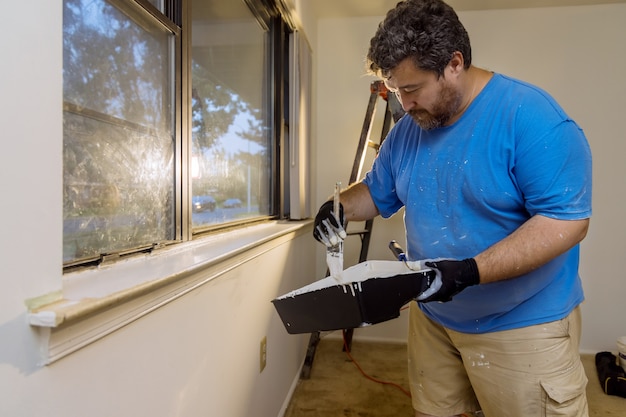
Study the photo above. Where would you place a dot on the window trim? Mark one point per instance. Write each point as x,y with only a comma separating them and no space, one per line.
146,9
100,300
270,14
270,20
96,300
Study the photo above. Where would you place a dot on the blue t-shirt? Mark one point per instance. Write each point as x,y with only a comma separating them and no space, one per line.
514,153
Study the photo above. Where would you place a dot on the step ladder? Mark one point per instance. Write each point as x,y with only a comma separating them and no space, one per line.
393,111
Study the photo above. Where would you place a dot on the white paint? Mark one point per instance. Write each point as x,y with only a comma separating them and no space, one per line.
355,275
44,319
334,260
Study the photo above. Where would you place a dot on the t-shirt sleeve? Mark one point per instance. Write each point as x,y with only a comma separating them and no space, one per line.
553,170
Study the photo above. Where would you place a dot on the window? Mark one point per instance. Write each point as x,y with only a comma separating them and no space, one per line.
119,130
231,114
146,163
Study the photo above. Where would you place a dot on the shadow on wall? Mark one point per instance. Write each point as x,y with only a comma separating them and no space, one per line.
21,352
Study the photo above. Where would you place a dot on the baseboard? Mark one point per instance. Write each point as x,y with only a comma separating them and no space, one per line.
292,389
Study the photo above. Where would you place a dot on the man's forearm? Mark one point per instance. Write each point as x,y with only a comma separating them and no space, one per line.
535,243
357,203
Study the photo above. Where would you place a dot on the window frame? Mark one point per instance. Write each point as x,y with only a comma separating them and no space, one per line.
177,17
94,302
273,20
140,12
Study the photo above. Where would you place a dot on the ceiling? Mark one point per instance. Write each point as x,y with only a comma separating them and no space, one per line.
363,8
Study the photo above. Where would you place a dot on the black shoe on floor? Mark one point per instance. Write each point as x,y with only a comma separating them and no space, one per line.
612,376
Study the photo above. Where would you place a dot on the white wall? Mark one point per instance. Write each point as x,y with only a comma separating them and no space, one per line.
198,355
572,52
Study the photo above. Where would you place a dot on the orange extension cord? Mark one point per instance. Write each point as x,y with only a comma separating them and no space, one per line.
345,347
379,381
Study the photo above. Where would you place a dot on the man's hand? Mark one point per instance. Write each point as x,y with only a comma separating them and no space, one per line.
329,226
452,278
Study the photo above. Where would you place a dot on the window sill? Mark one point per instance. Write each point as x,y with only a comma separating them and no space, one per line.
96,302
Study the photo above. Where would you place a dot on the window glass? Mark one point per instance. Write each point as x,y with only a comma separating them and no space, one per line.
231,152
118,150
123,152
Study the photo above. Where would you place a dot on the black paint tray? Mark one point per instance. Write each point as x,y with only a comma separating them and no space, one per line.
367,293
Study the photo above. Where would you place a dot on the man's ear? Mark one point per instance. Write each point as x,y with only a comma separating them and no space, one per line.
456,64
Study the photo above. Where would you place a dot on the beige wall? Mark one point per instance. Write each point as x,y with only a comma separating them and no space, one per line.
195,352
572,52
196,355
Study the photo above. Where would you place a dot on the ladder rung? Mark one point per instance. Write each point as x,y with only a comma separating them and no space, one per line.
357,232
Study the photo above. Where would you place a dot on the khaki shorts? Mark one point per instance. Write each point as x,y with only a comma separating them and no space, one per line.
533,371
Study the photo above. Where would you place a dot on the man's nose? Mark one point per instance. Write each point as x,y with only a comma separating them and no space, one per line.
405,100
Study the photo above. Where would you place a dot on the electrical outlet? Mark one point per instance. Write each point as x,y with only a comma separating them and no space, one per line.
263,354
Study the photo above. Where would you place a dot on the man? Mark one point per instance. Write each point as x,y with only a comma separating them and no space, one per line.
495,180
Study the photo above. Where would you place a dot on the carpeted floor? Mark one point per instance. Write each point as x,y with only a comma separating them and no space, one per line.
336,388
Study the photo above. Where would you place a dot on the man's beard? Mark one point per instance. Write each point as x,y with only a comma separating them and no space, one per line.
443,110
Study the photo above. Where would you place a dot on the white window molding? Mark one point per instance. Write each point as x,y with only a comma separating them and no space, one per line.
96,302
300,73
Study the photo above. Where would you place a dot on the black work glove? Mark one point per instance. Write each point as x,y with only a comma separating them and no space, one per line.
329,226
453,277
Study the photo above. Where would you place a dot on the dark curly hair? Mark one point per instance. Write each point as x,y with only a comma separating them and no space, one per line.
427,31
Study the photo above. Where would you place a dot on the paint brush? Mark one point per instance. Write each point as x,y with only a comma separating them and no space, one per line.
334,253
